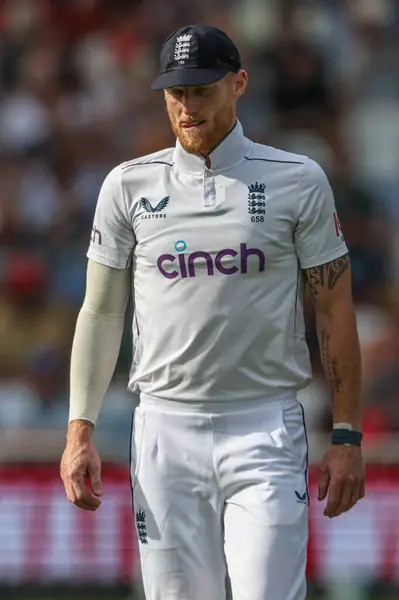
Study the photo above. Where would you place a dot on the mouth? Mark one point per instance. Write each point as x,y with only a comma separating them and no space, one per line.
192,124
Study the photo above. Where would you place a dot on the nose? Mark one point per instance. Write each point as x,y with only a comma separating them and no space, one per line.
189,113
190,104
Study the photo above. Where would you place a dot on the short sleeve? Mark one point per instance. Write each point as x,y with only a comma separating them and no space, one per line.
112,237
318,236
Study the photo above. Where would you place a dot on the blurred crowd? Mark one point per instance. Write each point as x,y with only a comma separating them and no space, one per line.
75,101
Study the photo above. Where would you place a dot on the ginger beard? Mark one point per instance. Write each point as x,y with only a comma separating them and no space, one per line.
203,140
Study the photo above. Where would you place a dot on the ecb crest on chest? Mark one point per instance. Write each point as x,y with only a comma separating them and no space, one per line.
256,198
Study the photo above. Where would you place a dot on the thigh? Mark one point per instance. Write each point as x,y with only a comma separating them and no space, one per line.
265,562
178,509
266,518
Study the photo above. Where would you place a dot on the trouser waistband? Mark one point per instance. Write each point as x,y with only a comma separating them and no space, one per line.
216,407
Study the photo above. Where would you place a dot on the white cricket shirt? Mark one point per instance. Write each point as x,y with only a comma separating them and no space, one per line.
216,256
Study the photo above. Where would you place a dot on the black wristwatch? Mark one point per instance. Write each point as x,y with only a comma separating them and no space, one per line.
346,437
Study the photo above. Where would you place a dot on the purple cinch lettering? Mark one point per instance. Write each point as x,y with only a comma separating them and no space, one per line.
245,252
200,254
218,261
163,258
95,232
183,268
187,266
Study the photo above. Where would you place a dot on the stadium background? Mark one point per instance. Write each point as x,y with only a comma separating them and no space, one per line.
75,101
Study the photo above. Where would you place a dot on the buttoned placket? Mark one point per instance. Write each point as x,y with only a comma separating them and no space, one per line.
209,188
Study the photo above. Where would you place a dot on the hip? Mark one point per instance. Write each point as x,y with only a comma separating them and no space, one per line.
238,446
278,422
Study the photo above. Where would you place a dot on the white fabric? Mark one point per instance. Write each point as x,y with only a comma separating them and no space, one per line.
97,339
222,487
216,256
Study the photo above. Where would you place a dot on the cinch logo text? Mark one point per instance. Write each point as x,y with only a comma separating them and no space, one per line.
186,265
96,235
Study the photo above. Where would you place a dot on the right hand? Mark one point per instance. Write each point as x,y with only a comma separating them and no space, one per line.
79,462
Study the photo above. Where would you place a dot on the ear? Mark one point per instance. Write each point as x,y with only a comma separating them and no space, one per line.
240,83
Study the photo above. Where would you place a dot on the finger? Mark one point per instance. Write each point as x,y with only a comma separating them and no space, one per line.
72,498
70,494
324,482
83,498
83,504
334,498
95,479
80,504
356,494
362,489
346,497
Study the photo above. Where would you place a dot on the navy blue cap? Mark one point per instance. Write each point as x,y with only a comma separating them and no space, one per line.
196,55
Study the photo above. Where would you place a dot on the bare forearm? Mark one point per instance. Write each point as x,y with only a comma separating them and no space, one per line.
330,287
80,429
340,355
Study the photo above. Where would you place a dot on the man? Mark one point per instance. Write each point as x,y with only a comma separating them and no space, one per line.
217,237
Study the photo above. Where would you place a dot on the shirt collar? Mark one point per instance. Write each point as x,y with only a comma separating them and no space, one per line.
231,150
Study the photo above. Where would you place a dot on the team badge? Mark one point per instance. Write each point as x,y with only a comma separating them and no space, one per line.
257,201
141,526
182,48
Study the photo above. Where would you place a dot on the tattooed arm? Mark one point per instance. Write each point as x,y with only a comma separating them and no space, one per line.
341,471
338,339
318,233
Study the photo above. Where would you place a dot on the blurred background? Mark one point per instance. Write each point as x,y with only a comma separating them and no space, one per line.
74,102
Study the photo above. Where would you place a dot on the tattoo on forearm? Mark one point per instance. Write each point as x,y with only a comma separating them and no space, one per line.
335,269
327,274
330,364
336,378
315,277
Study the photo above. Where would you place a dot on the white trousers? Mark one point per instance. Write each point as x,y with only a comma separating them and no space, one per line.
217,490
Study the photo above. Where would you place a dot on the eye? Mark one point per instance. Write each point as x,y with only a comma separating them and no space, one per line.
203,91
176,93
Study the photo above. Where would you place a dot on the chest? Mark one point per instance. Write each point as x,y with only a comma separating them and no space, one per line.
214,217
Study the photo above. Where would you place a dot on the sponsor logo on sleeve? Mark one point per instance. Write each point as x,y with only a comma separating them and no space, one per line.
96,236
338,229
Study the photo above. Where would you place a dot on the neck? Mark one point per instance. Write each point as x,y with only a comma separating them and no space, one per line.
207,160
222,137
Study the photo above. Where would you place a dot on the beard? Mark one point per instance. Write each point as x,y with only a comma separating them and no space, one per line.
203,142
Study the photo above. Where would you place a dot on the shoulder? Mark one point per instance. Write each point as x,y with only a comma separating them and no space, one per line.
269,154
162,158
137,171
308,171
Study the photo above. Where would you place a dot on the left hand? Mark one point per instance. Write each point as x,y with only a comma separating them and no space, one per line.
342,477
